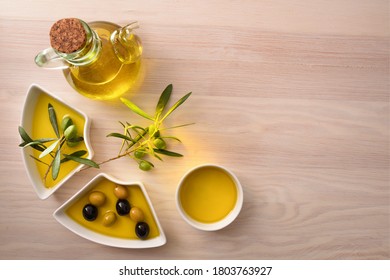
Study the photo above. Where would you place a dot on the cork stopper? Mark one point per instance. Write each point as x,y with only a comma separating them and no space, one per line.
67,35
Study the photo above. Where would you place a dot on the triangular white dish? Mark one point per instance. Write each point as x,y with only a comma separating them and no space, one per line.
35,95
82,228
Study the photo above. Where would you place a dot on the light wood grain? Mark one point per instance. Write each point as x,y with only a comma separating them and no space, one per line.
292,96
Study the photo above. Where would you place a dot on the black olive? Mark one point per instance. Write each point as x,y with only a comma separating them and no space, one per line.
142,230
90,212
123,207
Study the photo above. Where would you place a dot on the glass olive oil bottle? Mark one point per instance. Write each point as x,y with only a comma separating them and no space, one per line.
100,60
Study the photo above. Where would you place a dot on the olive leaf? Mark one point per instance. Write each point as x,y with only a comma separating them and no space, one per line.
53,119
27,139
44,140
177,126
49,149
158,157
171,137
167,153
120,135
82,160
56,165
136,128
75,154
136,109
133,127
37,146
177,104
36,142
162,102
24,135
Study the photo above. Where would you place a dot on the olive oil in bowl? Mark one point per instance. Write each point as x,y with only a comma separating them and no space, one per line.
41,128
36,122
123,227
113,213
209,197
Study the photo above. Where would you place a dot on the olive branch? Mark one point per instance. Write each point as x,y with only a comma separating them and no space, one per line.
52,147
138,141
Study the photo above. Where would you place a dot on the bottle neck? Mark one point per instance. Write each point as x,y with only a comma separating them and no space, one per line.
88,53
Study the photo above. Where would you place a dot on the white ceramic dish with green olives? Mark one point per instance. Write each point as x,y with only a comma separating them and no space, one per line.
54,134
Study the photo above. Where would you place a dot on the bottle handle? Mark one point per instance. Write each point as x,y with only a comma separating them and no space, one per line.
127,46
127,30
48,58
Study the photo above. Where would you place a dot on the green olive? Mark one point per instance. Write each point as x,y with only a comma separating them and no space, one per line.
121,192
136,214
159,143
66,122
70,132
97,198
109,218
140,153
72,143
145,165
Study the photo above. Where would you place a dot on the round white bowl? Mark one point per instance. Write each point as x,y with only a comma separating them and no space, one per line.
30,164
228,219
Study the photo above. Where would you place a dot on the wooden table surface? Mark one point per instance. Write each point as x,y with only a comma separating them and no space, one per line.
292,96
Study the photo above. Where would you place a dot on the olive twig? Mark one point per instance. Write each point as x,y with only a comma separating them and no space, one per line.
108,160
66,133
149,141
142,141
48,170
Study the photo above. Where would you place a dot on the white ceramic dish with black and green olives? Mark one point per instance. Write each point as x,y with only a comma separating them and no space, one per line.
36,124
112,212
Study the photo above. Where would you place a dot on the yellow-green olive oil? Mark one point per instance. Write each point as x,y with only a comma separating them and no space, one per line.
42,128
107,77
208,194
124,226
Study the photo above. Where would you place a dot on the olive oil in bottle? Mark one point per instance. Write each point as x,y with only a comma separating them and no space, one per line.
101,60
107,77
